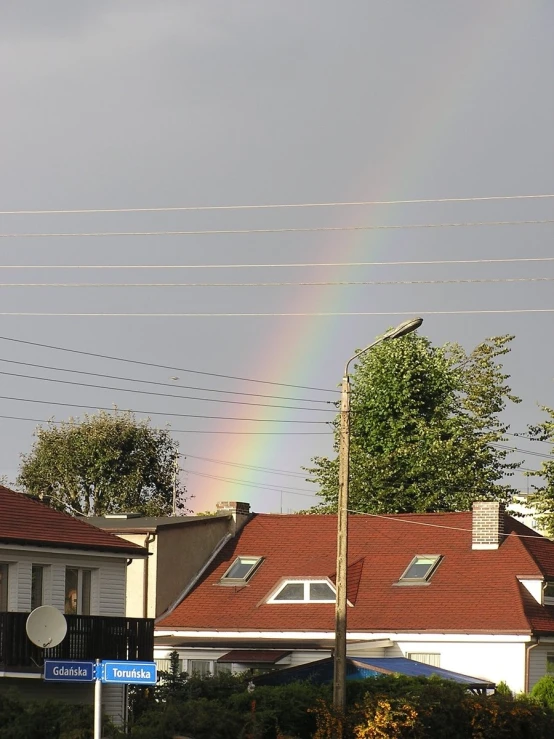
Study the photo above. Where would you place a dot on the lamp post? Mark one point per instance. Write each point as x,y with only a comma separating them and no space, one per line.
339,666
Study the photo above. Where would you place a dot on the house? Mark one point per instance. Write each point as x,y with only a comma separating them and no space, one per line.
51,558
470,592
178,548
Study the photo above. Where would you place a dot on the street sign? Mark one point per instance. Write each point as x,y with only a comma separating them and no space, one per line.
68,672
131,673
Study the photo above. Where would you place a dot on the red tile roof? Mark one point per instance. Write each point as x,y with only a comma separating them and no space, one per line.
24,520
470,591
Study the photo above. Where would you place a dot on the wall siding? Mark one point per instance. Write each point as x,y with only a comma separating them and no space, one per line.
537,662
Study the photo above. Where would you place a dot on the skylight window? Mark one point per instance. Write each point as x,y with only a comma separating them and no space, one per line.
304,591
241,570
420,569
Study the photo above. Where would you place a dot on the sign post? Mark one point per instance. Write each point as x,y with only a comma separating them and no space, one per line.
98,701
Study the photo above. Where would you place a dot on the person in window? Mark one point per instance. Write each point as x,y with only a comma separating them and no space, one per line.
71,601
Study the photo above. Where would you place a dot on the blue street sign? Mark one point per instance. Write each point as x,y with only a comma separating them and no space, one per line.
133,673
70,672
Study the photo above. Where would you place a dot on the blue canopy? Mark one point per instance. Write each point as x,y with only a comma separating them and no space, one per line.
357,668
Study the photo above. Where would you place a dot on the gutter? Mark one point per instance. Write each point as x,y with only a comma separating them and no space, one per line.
147,543
196,578
527,661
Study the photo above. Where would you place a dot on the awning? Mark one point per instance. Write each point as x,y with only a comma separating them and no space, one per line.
254,656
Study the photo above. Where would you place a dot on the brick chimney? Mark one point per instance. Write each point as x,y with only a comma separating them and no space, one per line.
487,525
239,511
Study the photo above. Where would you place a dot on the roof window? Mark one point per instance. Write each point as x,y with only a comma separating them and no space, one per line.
420,569
241,570
304,591
548,593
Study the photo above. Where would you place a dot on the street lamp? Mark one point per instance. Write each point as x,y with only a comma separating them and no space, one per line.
339,667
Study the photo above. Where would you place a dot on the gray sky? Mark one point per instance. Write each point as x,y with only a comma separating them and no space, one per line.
140,104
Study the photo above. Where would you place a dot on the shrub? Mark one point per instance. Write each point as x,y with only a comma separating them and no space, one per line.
543,691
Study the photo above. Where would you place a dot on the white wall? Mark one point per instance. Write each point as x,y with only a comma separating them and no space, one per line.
108,578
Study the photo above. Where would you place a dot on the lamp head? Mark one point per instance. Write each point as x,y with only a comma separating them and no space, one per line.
407,327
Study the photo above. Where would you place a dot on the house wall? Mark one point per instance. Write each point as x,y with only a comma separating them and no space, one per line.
182,552
537,661
494,661
141,573
108,578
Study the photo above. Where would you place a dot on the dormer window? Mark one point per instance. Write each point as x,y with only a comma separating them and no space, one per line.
241,570
304,591
420,569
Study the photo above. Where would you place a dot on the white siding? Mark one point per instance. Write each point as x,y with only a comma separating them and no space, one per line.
108,580
537,662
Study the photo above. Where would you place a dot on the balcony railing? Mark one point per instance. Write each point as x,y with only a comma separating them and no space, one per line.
87,638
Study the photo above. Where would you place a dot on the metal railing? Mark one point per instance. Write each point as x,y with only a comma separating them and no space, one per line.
87,638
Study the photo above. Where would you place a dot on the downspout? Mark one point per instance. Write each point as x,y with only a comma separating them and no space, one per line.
527,661
147,543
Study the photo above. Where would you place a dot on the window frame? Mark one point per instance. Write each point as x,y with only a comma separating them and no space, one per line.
424,580
548,600
5,587
226,579
35,568
306,582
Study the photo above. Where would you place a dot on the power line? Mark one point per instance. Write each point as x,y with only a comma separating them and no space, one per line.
159,413
290,229
272,470
191,431
529,438
321,283
164,395
162,384
153,364
168,209
271,315
234,481
523,451
287,265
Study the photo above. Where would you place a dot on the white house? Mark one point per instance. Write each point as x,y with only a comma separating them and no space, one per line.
50,558
469,592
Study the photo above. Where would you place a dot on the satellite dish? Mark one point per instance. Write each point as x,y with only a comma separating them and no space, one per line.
46,626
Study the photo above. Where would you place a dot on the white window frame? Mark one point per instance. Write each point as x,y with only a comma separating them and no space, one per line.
548,600
306,582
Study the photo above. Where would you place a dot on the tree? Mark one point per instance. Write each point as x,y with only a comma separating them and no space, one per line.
105,463
542,499
424,424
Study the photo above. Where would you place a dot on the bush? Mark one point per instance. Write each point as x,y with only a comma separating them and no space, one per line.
543,691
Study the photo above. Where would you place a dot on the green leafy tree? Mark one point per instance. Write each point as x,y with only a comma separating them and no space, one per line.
424,424
104,463
542,497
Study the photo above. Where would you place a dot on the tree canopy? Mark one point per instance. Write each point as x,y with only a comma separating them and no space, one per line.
424,423
542,497
104,463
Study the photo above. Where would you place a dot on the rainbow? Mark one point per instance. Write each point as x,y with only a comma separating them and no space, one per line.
484,43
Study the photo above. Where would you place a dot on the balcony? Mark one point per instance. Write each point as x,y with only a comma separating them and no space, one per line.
88,638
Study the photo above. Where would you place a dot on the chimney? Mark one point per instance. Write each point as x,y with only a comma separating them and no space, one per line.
487,525
239,511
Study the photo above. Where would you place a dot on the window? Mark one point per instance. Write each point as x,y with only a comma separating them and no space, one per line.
77,591
37,579
427,658
550,663
420,569
4,569
199,667
304,591
241,570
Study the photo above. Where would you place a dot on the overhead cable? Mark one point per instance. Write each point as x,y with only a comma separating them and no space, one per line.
142,363
271,315
169,209
159,413
320,283
161,384
280,265
290,229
